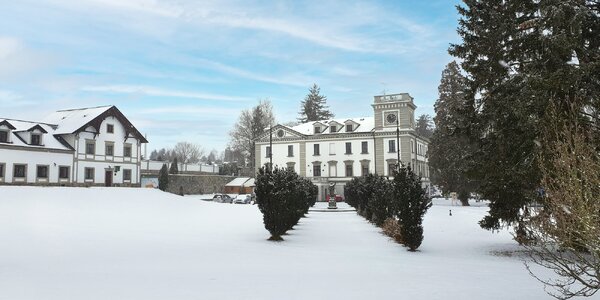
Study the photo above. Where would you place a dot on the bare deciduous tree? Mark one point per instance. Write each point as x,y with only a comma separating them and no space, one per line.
188,153
565,233
250,125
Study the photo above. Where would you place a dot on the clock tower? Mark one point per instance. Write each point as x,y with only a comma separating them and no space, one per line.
392,110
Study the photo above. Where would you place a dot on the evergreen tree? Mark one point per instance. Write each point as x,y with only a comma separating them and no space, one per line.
283,198
163,178
174,167
451,150
424,126
520,56
410,205
313,107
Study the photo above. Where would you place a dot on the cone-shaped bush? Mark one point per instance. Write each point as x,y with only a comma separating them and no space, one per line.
283,198
410,204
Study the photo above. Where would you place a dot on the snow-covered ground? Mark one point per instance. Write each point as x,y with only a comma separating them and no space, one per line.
117,243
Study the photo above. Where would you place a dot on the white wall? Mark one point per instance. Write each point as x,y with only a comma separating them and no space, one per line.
100,161
340,156
32,159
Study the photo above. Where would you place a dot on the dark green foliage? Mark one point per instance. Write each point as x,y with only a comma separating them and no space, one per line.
451,149
411,203
313,107
403,199
424,126
163,178
174,167
520,56
283,197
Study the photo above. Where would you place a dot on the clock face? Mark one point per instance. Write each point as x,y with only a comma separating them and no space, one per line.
391,118
280,133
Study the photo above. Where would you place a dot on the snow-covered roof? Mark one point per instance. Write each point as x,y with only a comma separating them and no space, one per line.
238,181
70,120
365,124
48,141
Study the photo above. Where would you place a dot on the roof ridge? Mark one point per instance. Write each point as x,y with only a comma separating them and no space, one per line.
84,108
33,122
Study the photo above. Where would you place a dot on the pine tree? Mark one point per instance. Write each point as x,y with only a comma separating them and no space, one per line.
451,150
424,126
163,178
174,167
520,56
313,107
410,205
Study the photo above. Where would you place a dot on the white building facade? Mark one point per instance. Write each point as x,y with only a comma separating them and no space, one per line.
81,147
335,151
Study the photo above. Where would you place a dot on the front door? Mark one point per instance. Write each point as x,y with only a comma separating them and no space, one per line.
108,178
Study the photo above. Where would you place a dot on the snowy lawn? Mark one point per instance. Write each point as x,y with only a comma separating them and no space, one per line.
116,243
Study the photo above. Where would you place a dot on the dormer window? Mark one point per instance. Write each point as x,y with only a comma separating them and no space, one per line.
333,129
317,129
36,139
4,136
349,128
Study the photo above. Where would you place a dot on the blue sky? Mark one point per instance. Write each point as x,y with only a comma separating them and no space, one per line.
182,70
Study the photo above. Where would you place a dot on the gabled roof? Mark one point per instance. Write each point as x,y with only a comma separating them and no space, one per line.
77,120
238,181
365,124
20,126
7,124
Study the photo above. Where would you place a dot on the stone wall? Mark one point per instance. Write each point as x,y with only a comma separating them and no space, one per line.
198,184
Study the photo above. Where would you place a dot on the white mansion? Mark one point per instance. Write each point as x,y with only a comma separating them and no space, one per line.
335,151
82,147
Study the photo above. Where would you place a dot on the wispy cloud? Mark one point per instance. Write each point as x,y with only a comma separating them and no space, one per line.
191,110
158,92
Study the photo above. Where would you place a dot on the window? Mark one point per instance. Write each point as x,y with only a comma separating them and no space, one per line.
364,169
291,166
126,174
89,173
317,129
3,136
331,148
268,152
110,128
2,170
349,128
333,129
392,145
316,149
365,147
349,170
36,139
290,151
63,172
316,170
19,171
90,147
412,146
127,150
348,148
42,171
109,149
391,168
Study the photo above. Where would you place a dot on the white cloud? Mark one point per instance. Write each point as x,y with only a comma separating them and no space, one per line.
152,91
17,60
194,110
339,28
12,99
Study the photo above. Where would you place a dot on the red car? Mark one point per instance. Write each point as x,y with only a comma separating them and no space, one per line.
338,198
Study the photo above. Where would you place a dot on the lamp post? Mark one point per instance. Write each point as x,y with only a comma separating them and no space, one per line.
398,140
271,148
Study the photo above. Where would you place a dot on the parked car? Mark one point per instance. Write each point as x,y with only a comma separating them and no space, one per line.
222,198
242,199
338,198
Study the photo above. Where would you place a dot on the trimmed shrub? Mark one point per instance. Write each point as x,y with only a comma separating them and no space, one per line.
283,198
163,178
